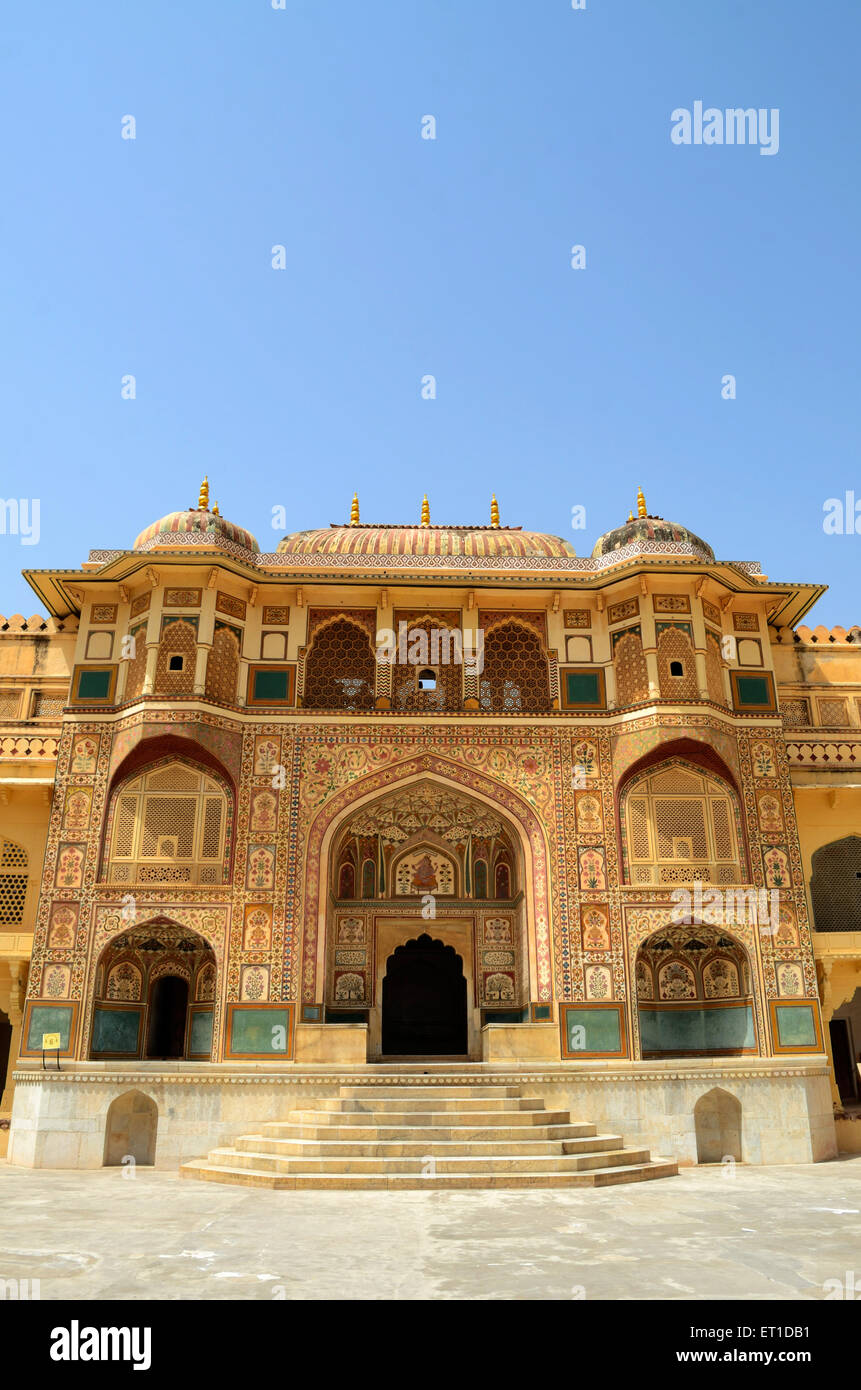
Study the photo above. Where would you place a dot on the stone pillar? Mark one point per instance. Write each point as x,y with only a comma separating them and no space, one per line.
151,661
14,1009
702,678
610,685
203,650
651,655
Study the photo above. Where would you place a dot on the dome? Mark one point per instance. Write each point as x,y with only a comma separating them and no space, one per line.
477,541
198,526
654,533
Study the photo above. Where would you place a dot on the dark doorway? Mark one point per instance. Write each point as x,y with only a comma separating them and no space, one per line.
168,1007
844,1064
424,1001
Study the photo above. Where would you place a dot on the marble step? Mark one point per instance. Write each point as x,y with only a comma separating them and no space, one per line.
397,1103
357,1182
439,1163
445,1090
334,1148
424,1133
508,1119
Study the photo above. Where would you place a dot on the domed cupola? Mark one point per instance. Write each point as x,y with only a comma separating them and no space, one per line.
200,527
652,534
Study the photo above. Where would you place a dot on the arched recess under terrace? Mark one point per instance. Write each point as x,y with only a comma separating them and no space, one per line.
154,995
694,993
170,817
680,818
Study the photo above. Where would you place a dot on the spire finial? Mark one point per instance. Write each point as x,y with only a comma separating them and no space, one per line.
203,499
354,510
425,511
215,511
494,511
630,516
641,503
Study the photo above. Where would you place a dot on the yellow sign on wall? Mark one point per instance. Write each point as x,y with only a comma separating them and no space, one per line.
50,1042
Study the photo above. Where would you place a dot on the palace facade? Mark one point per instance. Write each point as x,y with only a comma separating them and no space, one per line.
428,801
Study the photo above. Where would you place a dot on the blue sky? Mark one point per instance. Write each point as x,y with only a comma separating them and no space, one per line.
556,387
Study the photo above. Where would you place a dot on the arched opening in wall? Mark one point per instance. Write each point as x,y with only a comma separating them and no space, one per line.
168,1017
680,824
694,993
424,1001
5,1045
155,990
845,1031
130,1130
717,1125
340,668
835,885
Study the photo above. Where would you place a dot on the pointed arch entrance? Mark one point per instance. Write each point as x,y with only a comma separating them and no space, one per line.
424,1005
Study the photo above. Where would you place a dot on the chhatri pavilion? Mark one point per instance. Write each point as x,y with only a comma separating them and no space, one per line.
413,854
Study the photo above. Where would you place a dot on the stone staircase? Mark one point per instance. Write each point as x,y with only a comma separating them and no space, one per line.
406,1136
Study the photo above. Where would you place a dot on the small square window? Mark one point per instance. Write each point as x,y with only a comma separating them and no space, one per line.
176,663
426,679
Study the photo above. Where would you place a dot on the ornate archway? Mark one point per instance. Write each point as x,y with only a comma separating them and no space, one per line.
154,995
526,835
694,991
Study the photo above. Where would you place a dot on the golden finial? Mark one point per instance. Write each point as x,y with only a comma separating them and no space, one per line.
494,511
630,516
354,510
641,503
425,511
203,499
215,511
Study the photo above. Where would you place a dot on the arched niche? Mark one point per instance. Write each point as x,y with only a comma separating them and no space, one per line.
694,993
154,982
717,1126
131,1129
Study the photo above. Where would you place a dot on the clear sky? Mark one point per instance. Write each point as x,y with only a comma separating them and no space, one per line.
405,257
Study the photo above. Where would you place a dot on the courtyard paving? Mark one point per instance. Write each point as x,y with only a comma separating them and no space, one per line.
757,1233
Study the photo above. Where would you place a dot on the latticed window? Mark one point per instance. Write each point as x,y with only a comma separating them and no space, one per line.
222,667
676,665
714,670
137,664
48,705
177,654
835,887
680,828
515,677
632,676
10,703
169,826
340,671
796,713
13,882
415,687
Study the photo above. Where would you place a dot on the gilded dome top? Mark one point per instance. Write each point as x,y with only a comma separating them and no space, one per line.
480,541
654,531
198,526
